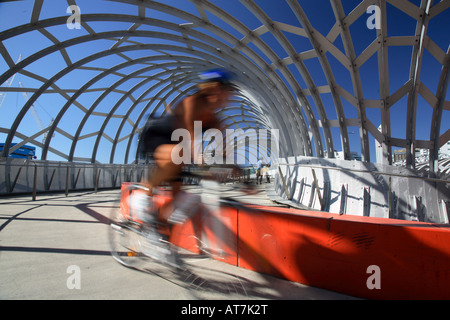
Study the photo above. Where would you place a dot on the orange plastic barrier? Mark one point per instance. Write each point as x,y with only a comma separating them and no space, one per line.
361,256
366,257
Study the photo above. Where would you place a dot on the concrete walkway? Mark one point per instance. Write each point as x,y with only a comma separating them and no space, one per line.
57,248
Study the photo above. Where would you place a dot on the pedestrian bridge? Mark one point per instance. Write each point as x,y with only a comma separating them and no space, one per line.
357,91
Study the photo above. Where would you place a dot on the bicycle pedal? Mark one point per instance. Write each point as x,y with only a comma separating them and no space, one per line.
132,254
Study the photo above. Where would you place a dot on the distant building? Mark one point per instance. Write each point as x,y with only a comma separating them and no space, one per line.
340,155
444,151
399,155
420,155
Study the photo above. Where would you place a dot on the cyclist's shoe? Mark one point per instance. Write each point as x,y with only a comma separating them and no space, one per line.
141,204
185,207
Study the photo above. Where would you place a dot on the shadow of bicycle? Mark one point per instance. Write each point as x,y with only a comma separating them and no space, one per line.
208,279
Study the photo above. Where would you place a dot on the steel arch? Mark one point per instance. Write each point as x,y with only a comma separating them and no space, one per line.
268,85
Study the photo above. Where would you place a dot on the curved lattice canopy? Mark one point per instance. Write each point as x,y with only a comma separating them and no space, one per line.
79,77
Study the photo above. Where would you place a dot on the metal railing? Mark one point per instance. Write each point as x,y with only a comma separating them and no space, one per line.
366,171
28,176
389,192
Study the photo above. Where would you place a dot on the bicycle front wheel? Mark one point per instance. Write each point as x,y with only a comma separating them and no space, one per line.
124,239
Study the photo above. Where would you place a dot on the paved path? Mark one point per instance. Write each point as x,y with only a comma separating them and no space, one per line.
45,243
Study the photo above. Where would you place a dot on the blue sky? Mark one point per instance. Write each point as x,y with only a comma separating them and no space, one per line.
319,13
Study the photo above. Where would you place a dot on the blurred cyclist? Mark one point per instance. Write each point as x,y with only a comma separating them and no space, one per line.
213,93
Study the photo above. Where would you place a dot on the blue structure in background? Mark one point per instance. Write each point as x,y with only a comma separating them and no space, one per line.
24,152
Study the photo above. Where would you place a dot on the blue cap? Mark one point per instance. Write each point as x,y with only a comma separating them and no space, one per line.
217,75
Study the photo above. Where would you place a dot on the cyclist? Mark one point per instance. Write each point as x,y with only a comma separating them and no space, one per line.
212,93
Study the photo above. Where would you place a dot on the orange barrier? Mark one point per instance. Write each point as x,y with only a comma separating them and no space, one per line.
361,256
366,257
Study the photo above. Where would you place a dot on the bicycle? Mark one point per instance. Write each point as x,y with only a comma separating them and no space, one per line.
138,239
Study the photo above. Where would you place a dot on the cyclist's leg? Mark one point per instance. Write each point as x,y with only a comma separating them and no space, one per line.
166,171
168,208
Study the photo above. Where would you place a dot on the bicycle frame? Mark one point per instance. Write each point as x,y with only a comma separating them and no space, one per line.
211,231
